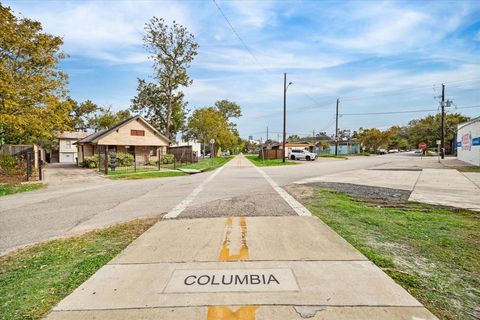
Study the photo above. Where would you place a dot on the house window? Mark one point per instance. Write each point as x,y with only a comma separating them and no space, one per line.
137,132
68,144
153,151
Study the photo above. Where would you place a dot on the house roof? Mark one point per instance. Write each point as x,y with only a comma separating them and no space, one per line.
94,137
71,135
461,125
300,144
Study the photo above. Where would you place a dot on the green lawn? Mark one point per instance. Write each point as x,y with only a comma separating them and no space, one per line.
468,169
146,175
207,164
12,188
256,160
432,252
35,279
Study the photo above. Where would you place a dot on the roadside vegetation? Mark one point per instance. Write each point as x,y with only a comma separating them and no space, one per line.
11,188
329,155
145,175
256,160
468,169
432,252
207,164
35,279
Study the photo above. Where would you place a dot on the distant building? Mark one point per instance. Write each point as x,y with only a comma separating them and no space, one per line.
196,146
67,151
468,141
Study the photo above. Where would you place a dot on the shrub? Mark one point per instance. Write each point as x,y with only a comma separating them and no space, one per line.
124,159
91,162
168,158
8,163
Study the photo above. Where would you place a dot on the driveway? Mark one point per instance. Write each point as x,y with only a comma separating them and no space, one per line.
61,175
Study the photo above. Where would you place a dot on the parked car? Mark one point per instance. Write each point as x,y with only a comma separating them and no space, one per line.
382,151
393,151
301,155
418,151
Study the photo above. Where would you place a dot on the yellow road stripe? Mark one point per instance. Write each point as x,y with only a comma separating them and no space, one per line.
223,312
225,254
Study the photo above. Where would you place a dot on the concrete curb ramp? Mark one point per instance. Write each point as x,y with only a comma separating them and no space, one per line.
446,187
240,268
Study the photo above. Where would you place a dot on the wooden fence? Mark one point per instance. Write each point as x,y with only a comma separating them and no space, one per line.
268,154
183,154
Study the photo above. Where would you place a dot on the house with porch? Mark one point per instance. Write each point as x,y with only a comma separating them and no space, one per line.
134,135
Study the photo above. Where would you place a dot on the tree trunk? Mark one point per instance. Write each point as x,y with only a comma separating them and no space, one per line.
169,116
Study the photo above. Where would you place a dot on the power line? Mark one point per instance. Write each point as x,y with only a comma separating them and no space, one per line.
399,112
401,91
238,36
248,48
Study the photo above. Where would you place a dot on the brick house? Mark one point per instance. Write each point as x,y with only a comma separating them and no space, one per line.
134,135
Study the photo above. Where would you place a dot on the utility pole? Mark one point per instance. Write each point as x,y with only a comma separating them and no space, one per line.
336,129
442,139
284,113
313,135
278,137
267,135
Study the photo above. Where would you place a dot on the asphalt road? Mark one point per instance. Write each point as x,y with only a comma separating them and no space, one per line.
77,200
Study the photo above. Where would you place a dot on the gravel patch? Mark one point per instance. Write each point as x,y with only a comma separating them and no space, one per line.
387,194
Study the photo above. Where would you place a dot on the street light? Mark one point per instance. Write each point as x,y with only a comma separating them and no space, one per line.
285,87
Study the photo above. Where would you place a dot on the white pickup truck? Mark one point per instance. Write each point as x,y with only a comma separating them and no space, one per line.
301,155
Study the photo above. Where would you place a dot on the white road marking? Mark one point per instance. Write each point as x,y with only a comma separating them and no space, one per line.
297,206
184,204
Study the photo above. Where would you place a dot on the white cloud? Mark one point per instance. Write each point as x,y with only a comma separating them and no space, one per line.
387,28
110,30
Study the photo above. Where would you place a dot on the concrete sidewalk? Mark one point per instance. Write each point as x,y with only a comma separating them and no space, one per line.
446,187
247,267
168,273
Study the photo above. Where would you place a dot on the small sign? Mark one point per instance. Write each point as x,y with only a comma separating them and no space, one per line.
232,280
439,142
422,145
212,141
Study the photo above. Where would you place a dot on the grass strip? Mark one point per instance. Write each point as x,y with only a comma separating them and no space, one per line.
256,160
11,188
468,169
146,175
33,280
207,164
329,155
432,252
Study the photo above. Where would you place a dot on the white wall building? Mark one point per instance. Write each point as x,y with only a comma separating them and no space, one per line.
468,141
196,146
67,151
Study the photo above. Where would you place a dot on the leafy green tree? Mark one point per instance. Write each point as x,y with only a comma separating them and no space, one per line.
172,48
229,109
214,123
294,138
427,129
33,102
82,113
373,139
151,103
105,118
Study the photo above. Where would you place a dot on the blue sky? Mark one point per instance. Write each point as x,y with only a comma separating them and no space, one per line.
376,56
